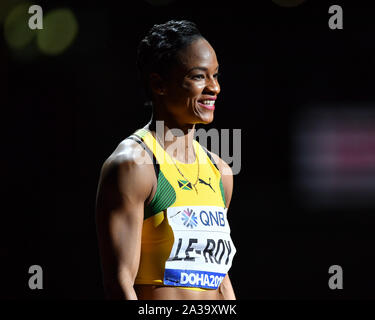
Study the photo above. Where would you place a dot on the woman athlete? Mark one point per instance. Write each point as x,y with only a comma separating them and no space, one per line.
162,227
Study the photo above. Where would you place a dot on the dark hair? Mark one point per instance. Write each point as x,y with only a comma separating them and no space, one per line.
157,51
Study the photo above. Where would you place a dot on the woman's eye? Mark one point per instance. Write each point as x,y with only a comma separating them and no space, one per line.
202,76
198,77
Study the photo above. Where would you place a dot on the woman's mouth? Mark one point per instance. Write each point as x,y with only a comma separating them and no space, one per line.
208,104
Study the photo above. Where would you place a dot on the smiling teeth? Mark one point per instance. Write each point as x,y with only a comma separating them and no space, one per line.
208,102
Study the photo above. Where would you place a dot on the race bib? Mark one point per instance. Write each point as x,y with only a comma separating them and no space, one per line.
202,251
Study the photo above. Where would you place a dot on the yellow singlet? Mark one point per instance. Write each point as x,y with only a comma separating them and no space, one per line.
185,236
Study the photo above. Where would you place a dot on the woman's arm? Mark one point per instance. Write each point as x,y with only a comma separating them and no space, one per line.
124,186
226,289
227,178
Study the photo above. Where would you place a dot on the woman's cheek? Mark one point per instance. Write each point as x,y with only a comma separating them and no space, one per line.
196,86
200,86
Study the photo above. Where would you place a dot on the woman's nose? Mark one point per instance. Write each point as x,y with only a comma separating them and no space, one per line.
213,86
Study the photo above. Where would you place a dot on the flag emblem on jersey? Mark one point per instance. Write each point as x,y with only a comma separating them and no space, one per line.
189,218
184,185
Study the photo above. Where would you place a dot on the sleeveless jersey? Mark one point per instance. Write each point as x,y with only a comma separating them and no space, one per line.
185,236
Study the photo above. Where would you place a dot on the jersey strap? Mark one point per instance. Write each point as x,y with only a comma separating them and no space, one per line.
165,195
215,165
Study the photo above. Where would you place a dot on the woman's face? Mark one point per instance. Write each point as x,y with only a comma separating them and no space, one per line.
192,86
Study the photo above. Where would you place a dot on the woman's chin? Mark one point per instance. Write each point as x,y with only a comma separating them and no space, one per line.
204,117
207,119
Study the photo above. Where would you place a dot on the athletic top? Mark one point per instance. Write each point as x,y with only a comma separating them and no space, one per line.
185,237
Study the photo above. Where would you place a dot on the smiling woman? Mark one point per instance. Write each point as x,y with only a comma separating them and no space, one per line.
162,224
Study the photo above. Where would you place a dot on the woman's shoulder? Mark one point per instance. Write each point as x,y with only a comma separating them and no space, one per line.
128,155
127,172
226,176
221,164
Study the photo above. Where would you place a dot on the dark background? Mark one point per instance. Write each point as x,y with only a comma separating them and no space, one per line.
63,116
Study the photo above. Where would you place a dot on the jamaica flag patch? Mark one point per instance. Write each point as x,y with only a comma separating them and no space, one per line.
184,185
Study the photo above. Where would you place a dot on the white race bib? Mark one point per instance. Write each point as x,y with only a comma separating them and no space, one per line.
202,251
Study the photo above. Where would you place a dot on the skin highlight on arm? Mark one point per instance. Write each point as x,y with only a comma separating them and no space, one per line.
123,189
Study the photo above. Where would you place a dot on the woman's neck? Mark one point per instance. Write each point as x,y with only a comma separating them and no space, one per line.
176,139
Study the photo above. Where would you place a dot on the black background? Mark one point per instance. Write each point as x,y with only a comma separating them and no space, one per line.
63,116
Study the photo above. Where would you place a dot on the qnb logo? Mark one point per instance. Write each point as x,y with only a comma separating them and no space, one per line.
189,218
212,218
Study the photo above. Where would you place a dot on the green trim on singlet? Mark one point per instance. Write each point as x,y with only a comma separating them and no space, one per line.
222,191
141,133
164,197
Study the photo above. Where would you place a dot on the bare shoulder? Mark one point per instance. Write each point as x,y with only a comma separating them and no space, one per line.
129,167
226,176
223,167
128,155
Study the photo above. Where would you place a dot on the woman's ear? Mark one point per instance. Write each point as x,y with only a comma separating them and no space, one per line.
156,84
